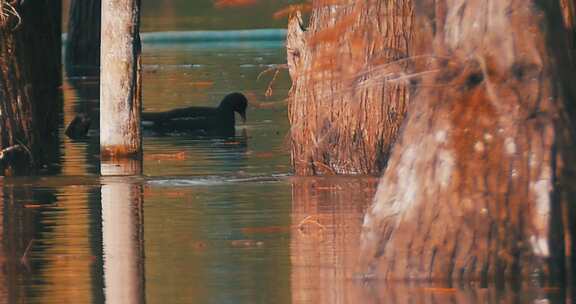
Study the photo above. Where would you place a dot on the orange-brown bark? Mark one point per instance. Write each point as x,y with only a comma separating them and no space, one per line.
480,185
344,108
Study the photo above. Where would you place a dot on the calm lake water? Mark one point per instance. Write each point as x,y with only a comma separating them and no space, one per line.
212,220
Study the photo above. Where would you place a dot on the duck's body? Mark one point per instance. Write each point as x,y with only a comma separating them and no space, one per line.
199,120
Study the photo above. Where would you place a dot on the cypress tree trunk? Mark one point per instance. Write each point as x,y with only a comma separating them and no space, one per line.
16,129
344,108
30,75
480,185
40,49
83,41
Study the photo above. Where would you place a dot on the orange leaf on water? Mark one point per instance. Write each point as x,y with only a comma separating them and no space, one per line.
202,84
199,245
264,154
440,290
166,156
246,243
234,3
174,194
33,206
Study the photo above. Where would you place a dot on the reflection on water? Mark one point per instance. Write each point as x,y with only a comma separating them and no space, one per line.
134,240
221,243
123,242
327,217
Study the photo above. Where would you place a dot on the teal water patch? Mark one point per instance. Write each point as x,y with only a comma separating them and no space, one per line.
261,35
230,44
214,36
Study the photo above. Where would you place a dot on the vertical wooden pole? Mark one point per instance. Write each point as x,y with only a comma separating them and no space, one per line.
120,80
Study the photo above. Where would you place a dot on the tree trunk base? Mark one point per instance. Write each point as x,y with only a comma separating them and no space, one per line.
478,183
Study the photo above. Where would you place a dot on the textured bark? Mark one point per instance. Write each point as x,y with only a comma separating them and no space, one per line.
480,185
120,80
30,75
83,41
346,103
15,117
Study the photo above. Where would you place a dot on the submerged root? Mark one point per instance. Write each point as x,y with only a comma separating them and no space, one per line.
276,70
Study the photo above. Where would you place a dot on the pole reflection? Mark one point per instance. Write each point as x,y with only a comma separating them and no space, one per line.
122,233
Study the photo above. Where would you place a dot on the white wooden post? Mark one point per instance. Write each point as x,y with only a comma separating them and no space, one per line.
120,80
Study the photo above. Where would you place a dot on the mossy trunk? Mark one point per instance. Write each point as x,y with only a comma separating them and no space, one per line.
30,67
481,184
83,40
347,102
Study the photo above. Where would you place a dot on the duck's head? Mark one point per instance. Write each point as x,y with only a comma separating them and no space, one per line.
237,102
